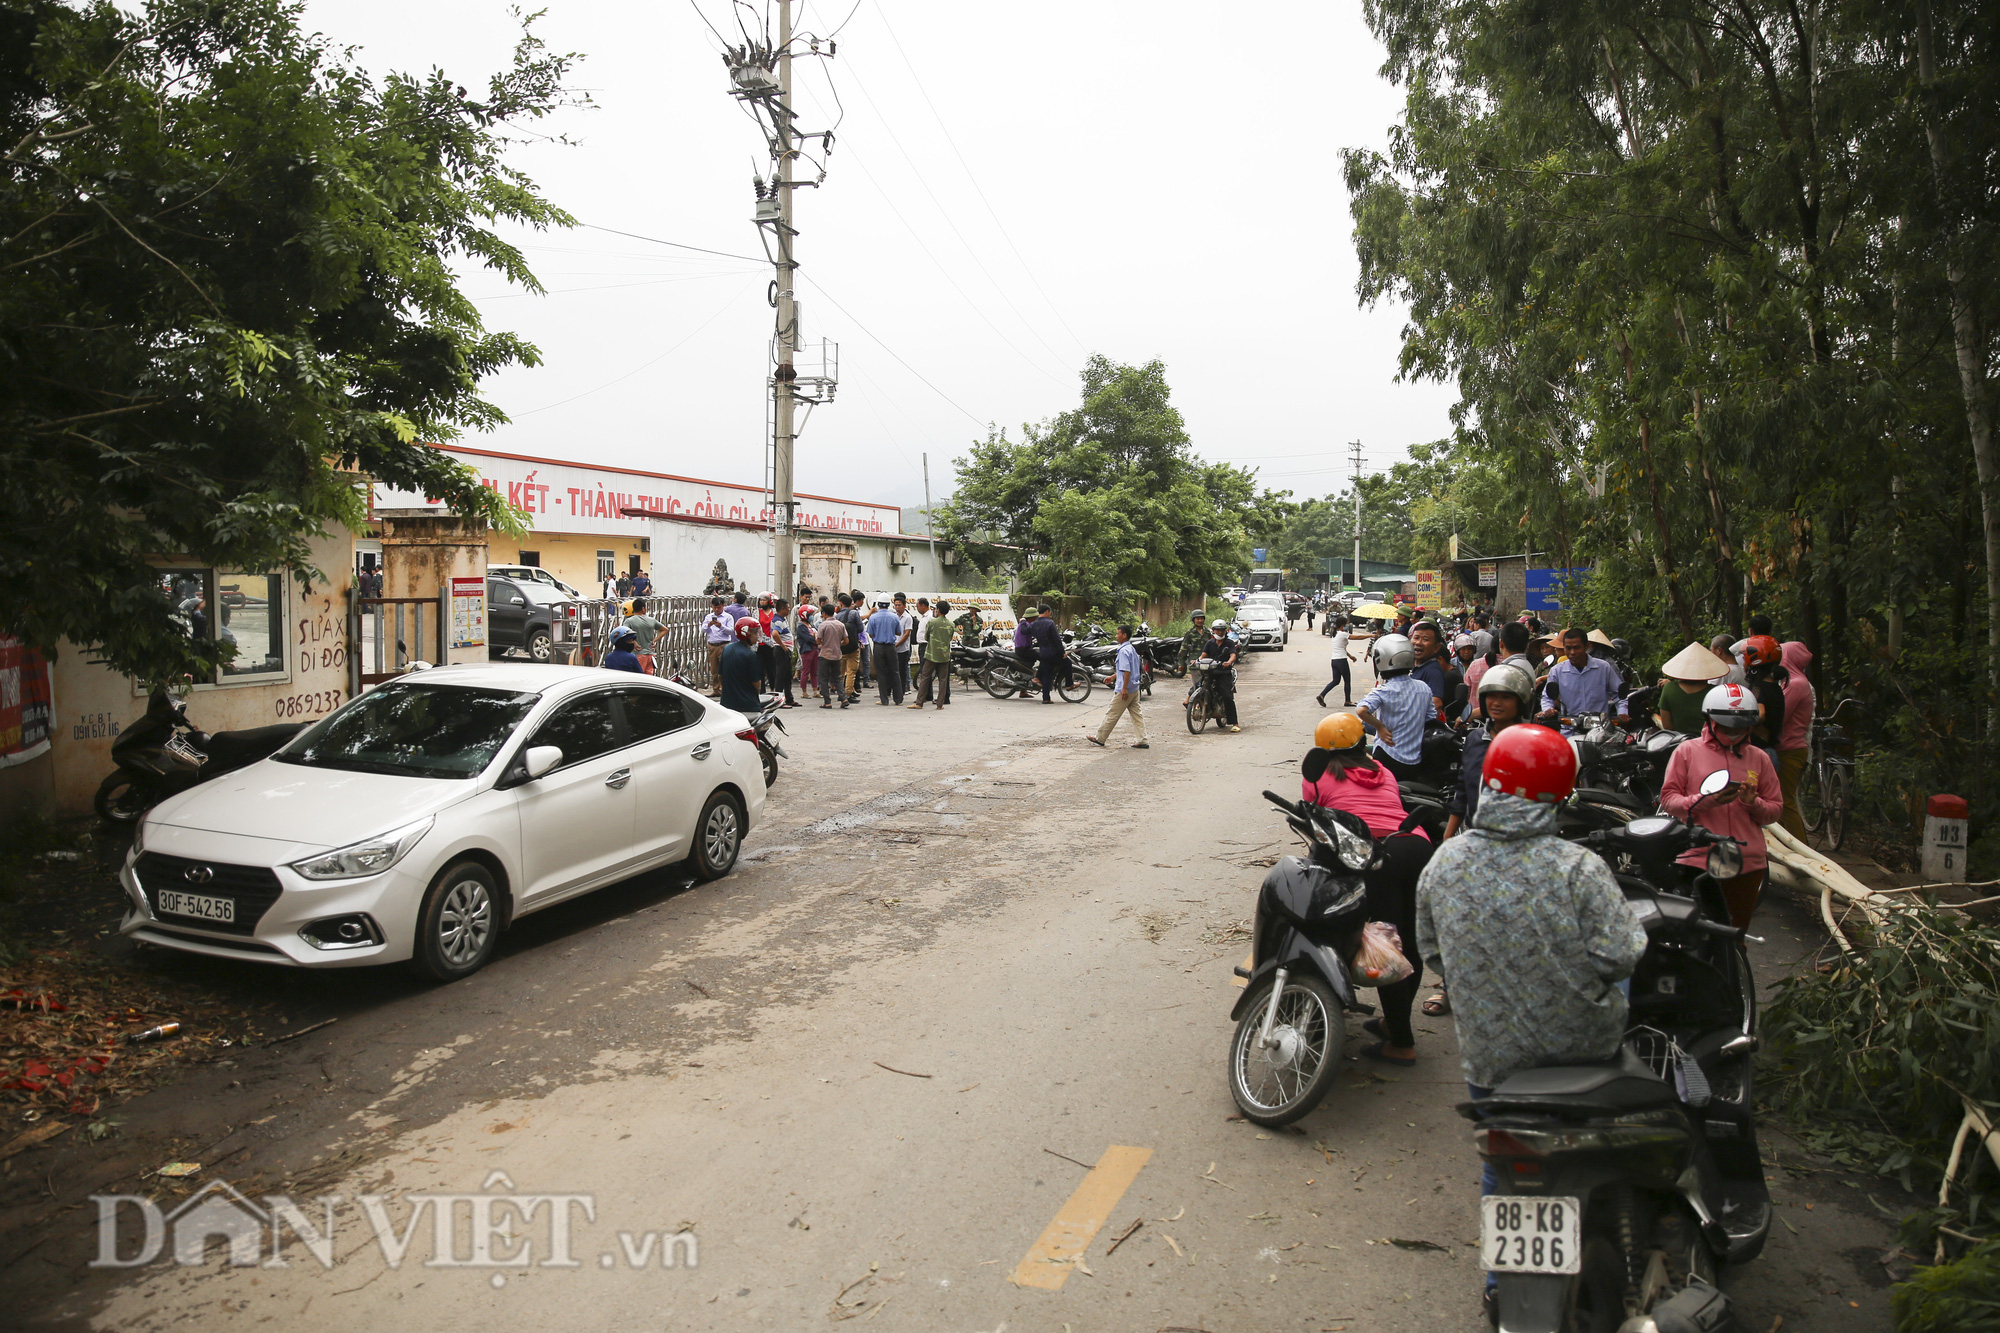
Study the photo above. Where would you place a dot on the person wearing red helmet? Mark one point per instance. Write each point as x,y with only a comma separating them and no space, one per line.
742,673
1531,931
1764,671
1751,800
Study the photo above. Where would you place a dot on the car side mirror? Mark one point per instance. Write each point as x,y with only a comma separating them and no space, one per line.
541,759
1313,767
1715,782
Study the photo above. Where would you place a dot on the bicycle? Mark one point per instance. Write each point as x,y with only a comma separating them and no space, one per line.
1826,788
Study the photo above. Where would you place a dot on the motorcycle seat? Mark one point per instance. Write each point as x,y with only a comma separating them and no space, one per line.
1422,791
234,749
1608,796
1625,1083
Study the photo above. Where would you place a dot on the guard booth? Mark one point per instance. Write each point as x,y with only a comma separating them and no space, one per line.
433,603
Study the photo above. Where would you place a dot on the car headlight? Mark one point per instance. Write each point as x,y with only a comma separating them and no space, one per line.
370,857
138,837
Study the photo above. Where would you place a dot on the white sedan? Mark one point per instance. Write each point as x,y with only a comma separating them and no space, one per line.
420,819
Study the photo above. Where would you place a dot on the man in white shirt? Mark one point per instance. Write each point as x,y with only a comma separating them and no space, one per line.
908,641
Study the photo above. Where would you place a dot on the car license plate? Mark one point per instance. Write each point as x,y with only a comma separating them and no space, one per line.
197,905
1528,1235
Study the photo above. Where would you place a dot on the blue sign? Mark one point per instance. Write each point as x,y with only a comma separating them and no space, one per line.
1546,587
1257,553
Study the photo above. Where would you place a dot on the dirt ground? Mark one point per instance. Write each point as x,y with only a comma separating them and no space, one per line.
967,959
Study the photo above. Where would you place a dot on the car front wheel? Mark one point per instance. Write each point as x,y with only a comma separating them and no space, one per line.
459,923
718,837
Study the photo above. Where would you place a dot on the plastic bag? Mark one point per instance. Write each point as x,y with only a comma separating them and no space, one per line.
1379,961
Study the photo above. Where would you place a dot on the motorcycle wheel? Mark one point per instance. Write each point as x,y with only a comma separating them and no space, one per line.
1277,1087
995,685
1197,714
770,759
1839,797
1076,689
1812,795
120,800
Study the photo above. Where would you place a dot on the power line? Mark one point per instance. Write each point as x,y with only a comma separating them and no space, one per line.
967,167
655,361
949,222
678,245
891,351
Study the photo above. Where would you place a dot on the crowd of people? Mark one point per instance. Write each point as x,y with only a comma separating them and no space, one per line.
1745,706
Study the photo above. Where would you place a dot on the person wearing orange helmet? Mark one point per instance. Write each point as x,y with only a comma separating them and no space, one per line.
1361,785
1764,672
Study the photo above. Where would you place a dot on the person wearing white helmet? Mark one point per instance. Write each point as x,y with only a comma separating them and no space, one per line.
1740,810
1398,708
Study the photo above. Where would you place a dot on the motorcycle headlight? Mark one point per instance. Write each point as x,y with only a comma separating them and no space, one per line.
1355,851
370,857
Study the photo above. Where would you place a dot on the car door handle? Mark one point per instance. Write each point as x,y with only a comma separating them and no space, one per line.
700,751
618,780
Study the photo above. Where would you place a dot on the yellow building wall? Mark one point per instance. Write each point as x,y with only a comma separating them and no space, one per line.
571,557
93,704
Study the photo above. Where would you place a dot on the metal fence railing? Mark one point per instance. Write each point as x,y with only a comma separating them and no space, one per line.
386,634
681,644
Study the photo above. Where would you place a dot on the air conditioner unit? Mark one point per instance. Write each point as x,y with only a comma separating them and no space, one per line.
947,557
646,545
900,556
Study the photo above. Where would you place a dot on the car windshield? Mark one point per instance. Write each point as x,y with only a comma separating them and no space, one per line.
543,594
417,731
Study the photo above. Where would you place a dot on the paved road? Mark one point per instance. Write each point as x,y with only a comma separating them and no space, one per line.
969,958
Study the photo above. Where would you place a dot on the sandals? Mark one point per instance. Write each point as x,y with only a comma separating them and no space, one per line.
1438,1005
1378,1051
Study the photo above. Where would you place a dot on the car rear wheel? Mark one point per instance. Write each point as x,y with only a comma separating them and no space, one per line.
718,837
459,923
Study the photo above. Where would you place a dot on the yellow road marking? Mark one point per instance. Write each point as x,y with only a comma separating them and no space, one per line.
1077,1222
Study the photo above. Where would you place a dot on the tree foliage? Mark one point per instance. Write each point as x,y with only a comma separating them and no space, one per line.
1108,499
1714,282
225,287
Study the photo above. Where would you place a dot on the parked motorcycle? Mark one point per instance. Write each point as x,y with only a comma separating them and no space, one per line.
163,753
1290,1024
1626,1185
768,749
1005,676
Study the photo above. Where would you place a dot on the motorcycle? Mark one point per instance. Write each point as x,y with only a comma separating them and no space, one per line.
163,754
1005,676
1204,697
1626,1185
1290,1018
769,751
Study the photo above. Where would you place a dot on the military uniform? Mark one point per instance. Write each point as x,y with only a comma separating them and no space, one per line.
1192,644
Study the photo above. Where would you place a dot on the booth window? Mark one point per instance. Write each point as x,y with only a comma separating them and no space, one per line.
607,565
251,615
231,606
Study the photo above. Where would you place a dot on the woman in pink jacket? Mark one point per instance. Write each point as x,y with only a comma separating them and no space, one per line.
1359,785
1751,800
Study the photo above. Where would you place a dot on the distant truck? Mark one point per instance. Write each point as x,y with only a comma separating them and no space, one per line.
1267,580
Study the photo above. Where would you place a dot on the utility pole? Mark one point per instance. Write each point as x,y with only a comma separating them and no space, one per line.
761,74
783,436
930,528
1355,445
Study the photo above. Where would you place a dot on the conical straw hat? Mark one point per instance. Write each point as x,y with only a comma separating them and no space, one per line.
1694,662
1597,636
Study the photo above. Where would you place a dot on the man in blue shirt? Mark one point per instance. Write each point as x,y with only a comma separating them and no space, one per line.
1580,683
1125,693
1397,709
742,673
621,657
885,632
1428,646
737,609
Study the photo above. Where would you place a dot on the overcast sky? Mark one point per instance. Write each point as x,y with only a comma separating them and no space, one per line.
1011,189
